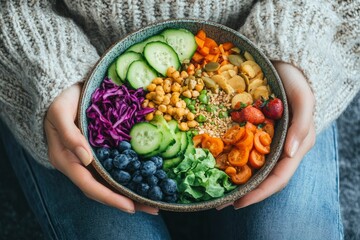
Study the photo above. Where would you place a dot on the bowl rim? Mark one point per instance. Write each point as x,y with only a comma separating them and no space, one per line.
231,196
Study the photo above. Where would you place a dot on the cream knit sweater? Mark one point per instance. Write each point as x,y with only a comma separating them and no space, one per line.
46,46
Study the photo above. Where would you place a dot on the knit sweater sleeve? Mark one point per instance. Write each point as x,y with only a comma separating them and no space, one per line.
321,38
41,54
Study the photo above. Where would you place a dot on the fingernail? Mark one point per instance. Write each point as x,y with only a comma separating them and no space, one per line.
83,155
224,206
128,211
294,148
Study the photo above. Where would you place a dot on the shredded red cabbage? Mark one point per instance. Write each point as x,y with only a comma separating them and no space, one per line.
113,111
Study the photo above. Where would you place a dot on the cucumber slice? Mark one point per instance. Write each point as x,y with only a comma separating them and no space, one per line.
139,47
173,125
184,142
112,74
190,149
171,163
168,135
173,150
124,61
161,56
140,74
145,138
182,41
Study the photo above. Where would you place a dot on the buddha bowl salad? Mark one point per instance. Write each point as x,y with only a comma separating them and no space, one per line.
181,118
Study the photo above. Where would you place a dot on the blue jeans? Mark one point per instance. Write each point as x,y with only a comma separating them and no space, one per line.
308,208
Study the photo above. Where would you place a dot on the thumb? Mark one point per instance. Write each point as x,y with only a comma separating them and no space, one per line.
61,116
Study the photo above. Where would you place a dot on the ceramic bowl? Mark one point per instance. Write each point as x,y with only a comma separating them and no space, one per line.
220,34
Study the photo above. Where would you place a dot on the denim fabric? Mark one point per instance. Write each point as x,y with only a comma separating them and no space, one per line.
308,207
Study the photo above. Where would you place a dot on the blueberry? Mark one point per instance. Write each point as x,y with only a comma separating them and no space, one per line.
147,168
142,189
136,177
121,176
114,152
171,198
158,161
168,186
152,180
103,153
133,165
160,174
124,145
121,161
132,186
155,193
130,153
108,164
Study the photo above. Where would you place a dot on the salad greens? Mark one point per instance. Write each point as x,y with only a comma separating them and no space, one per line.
198,179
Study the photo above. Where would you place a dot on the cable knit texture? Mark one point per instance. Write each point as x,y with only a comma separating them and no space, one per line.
46,46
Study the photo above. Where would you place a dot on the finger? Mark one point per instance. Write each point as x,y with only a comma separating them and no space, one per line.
279,177
147,209
66,162
61,115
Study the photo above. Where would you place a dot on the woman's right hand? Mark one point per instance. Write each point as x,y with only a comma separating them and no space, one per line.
70,153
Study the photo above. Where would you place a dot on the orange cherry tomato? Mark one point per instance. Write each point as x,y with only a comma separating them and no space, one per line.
256,159
198,139
238,156
233,134
227,148
230,171
246,141
222,161
215,145
242,175
269,127
264,149
251,127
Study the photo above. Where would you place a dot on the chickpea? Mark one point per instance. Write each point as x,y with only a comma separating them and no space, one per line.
195,93
169,71
179,80
184,74
157,112
145,103
151,105
180,112
158,81
183,126
151,87
175,87
192,123
167,117
162,108
190,116
175,75
187,94
167,87
159,89
158,99
174,99
170,110
199,87
149,116
166,100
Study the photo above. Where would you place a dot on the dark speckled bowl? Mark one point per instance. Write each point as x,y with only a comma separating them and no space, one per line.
220,34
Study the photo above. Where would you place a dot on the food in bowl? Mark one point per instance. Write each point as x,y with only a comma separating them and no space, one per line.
181,118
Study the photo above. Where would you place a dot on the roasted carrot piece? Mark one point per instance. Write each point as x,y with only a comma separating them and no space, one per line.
264,149
201,34
197,57
256,159
243,174
215,50
227,46
216,57
204,51
210,43
209,57
200,42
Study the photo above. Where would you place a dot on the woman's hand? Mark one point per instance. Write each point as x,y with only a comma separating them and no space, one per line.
70,153
300,137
